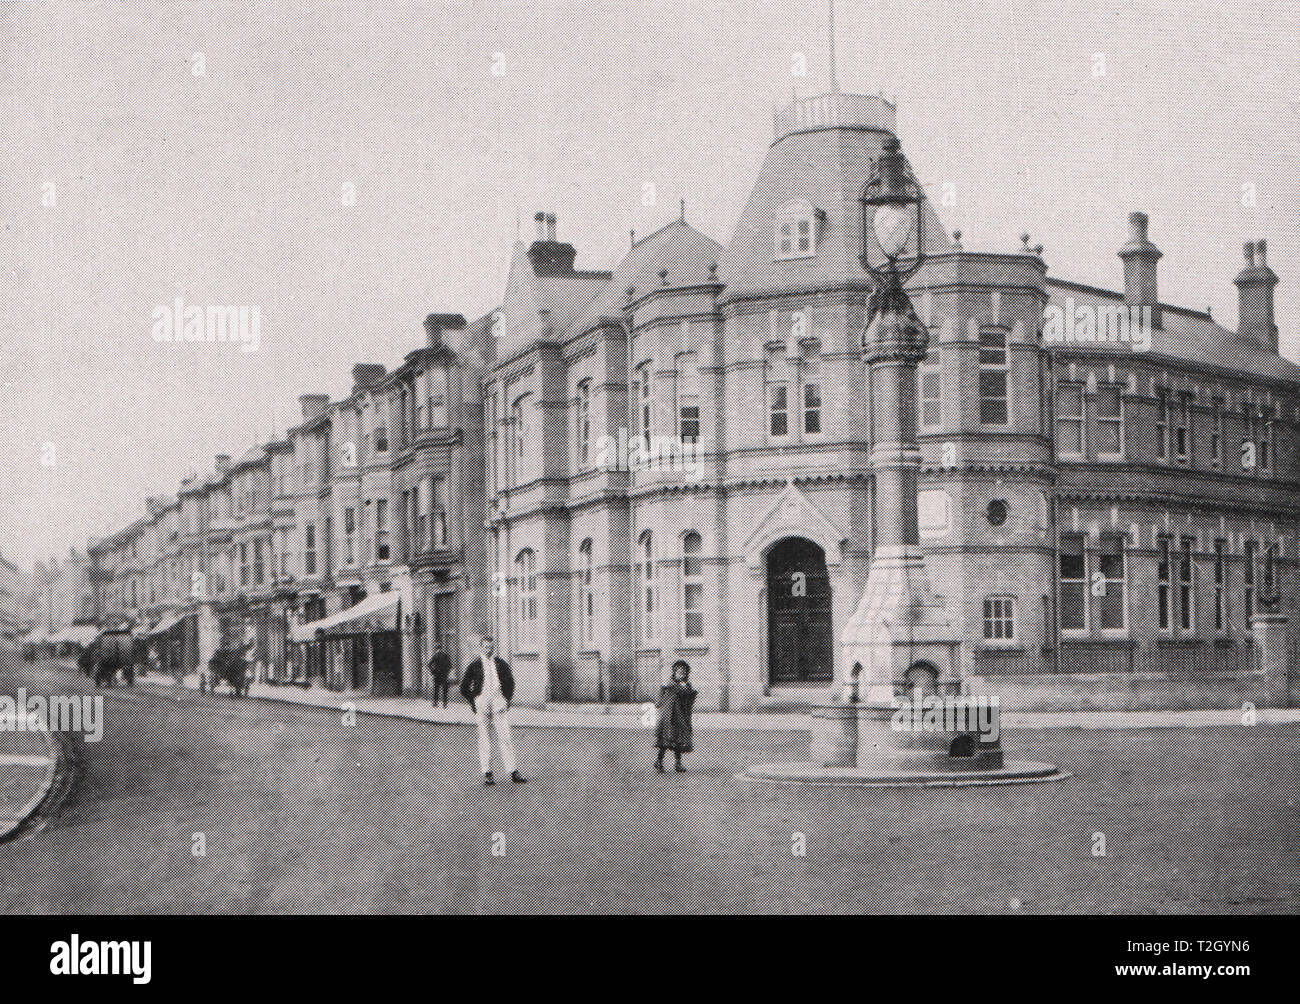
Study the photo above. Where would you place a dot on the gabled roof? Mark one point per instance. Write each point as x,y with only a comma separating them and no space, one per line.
542,306
253,455
1189,335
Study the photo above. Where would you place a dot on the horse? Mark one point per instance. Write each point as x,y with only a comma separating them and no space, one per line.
229,665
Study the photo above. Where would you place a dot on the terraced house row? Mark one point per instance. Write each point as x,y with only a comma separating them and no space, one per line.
365,521
1108,507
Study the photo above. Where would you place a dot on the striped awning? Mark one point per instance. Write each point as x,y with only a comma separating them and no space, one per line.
374,613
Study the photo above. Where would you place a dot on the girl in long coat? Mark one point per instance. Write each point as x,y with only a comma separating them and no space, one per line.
676,703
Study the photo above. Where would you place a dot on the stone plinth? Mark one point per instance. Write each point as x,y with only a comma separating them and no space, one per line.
1270,632
899,625
834,735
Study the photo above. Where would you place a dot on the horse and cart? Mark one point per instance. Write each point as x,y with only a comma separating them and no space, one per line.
113,652
228,666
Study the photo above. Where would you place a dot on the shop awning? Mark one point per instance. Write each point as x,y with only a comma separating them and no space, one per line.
374,613
168,622
80,634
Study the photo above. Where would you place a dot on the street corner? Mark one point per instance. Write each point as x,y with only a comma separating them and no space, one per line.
29,765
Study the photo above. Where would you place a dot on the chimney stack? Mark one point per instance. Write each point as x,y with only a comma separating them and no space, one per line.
436,324
548,255
367,375
1140,256
1255,284
221,463
313,405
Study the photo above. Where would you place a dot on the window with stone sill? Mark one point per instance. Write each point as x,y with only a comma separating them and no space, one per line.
1000,620
994,378
1073,584
1216,435
647,574
1110,422
587,594
437,385
1186,585
796,230
692,586
1183,429
526,592
584,424
1164,602
1162,424
1112,613
930,381
777,380
1251,550
688,397
1069,419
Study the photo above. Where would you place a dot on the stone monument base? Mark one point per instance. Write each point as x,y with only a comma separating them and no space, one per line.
1013,772
862,744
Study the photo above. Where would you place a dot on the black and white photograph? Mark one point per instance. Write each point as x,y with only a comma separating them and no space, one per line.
828,457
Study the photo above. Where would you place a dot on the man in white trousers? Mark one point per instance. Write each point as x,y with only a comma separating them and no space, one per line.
488,685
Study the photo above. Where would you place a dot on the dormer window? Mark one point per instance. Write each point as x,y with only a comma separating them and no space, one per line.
796,230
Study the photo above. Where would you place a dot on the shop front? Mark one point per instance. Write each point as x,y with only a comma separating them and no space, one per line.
361,647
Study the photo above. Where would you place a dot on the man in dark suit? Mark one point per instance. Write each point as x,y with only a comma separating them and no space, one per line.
440,670
488,686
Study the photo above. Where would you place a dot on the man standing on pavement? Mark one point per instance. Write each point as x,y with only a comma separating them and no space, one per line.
488,686
440,670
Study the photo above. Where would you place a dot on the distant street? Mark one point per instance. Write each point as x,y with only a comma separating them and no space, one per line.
301,812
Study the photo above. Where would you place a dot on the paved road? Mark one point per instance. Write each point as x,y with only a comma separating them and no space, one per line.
302,812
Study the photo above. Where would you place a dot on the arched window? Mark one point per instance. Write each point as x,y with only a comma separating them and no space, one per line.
520,452
647,575
584,424
586,593
526,579
692,587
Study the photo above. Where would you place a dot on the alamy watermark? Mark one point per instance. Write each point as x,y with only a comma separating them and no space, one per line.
626,452
58,713
974,714
234,325
1116,323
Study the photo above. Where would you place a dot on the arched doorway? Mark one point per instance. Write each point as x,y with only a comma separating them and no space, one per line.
799,645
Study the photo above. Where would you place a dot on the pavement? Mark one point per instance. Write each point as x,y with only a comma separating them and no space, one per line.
630,716
29,763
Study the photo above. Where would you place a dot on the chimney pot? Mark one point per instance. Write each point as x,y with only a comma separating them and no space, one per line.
367,375
1255,282
1140,256
540,220
221,463
436,324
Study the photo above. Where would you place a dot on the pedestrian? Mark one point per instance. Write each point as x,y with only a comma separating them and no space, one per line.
440,670
488,686
676,702
86,659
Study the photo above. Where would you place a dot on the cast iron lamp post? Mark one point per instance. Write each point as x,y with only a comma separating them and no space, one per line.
894,341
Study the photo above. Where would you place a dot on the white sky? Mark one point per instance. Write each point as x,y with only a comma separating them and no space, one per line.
225,189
